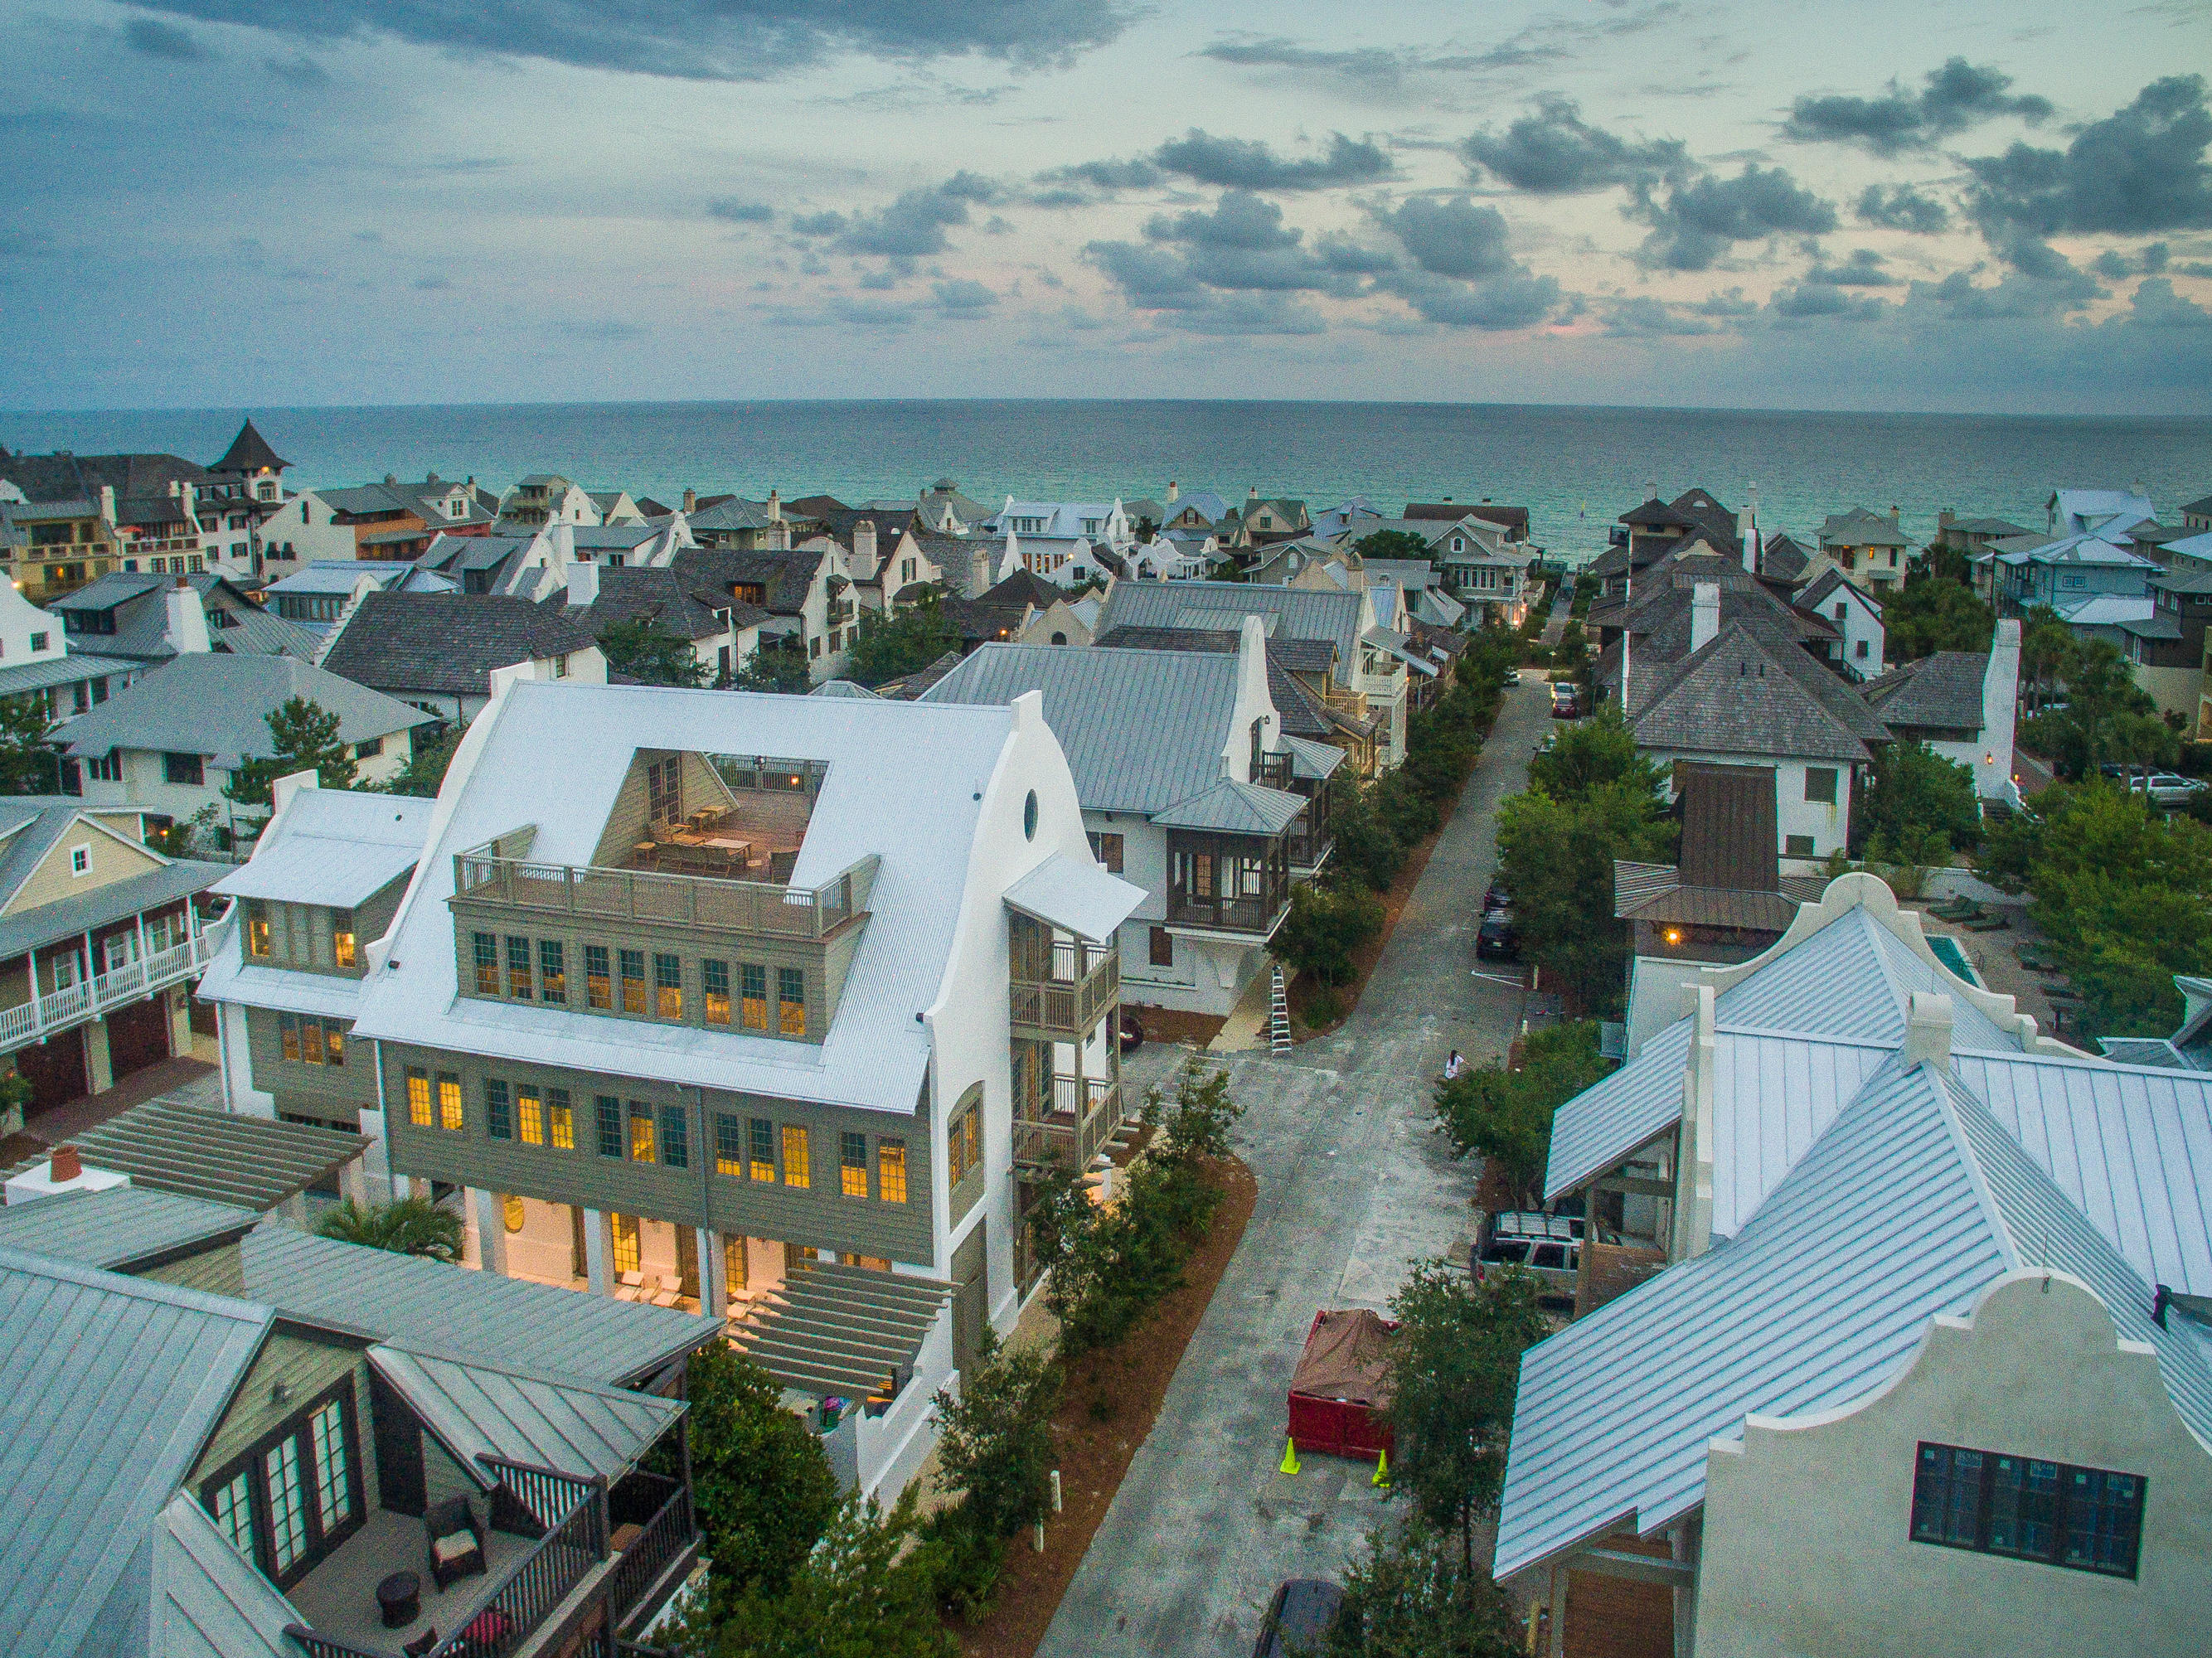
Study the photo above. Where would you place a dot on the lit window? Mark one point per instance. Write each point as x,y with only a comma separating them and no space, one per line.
552,971
853,1164
560,1119
714,985
729,1146
287,1026
791,1001
511,1208
764,1149
754,1008
517,968
668,986
796,1170
625,1229
891,1170
530,1116
418,1097
486,949
633,978
257,930
449,1101
641,1132
341,940
597,992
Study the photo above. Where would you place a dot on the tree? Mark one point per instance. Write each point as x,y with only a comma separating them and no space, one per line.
1914,790
890,648
1506,1115
778,665
642,650
1393,543
994,1444
424,773
1557,858
29,762
305,735
1367,851
406,1226
1592,754
2046,652
1453,1372
1932,613
762,1489
1410,1596
2107,715
1325,925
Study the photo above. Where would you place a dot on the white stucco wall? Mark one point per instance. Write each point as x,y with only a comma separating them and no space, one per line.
1828,826
1806,1542
304,524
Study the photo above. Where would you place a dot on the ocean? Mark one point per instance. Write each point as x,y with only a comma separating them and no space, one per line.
1574,469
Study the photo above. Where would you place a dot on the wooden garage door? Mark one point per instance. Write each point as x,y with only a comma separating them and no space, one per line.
138,1036
55,1069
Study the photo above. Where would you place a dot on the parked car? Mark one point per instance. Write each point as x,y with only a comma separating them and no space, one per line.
1510,679
1550,1246
1497,940
1496,898
2168,788
1297,1618
1566,701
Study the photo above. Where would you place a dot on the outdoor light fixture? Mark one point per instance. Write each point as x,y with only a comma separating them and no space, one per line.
1674,935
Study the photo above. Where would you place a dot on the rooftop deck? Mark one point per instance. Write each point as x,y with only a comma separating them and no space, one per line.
337,1599
696,896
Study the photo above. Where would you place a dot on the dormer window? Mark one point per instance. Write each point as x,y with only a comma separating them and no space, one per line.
455,508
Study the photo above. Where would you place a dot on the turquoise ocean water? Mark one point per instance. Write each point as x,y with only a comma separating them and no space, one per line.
1574,468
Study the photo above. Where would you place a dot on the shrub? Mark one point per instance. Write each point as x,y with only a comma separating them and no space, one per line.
995,1443
1325,925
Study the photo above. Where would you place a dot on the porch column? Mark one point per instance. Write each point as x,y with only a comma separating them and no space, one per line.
598,1253
353,1183
713,1275
491,1230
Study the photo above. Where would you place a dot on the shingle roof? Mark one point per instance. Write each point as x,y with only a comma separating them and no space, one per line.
1739,696
448,642
1943,692
1860,528
1294,612
141,616
661,596
121,1229
785,576
249,451
219,706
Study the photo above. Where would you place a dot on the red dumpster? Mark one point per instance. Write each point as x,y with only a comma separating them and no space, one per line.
1341,1385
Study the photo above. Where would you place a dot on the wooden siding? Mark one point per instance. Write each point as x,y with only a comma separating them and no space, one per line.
328,1093
306,1367
220,1272
818,1215
973,1179
626,823
112,861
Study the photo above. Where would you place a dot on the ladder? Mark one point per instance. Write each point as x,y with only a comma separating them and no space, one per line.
1279,1012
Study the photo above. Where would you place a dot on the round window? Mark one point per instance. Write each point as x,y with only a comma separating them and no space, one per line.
1029,817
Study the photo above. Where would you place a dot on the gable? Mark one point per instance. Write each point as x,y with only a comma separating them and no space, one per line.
112,858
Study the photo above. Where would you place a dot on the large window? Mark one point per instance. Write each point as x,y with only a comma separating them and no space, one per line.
597,990
729,1146
633,981
257,929
517,968
186,769
449,1101
641,1132
560,1119
664,790
497,1123
790,1001
552,971
891,1170
754,1008
714,987
675,1137
341,937
668,986
963,1143
485,948
608,1111
1820,785
762,1134
2085,1519
797,1168
296,1496
310,1039
418,1098
853,1163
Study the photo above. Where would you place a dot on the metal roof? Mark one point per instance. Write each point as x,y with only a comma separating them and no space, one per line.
1078,897
573,1429
1312,759
64,669
1233,808
210,1600
109,1386
1295,612
452,1312
209,704
254,1163
72,917
333,847
120,1228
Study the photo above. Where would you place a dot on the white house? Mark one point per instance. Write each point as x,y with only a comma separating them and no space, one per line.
543,499
35,661
1962,704
1857,616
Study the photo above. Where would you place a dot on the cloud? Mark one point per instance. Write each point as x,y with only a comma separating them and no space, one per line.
1809,299
2139,170
1863,269
964,297
1641,316
1465,275
1452,238
697,39
1952,98
1554,152
299,70
1244,244
2015,295
432,284
152,38
818,224
1373,68
2157,306
914,225
2148,261
1149,278
1086,180
1249,164
1248,313
1497,303
1702,218
736,212
1902,207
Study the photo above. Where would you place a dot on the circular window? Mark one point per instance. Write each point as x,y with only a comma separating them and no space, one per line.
1029,817
514,1214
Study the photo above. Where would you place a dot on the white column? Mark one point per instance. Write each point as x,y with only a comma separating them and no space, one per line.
353,1182
713,1275
599,1251
491,1230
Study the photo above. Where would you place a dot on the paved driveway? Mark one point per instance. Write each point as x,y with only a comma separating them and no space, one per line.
1353,1187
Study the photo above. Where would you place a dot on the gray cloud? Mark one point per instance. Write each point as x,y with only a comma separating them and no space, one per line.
1248,313
1902,207
1467,275
1554,152
1377,68
737,212
1702,218
825,223
1645,316
2148,261
1809,299
1452,238
1249,164
1497,303
1952,98
152,38
2157,306
914,225
697,39
1082,182
1149,278
1863,269
1244,244
299,70
2138,170
964,297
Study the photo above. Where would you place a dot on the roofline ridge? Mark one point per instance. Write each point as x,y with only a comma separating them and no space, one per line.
1947,1095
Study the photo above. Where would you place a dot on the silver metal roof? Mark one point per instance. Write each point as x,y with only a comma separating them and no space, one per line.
109,1386
62,670
478,1318
1313,760
208,1601
119,1228
573,1429
1081,898
333,847
206,703
1233,808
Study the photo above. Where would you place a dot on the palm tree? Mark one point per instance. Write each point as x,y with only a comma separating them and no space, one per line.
410,1226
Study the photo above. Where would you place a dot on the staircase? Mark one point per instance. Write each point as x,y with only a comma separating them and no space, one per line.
1279,1012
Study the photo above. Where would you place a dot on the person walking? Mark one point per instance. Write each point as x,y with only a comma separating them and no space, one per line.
1454,1065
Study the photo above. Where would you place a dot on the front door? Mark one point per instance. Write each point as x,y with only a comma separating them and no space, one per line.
687,1260
970,1308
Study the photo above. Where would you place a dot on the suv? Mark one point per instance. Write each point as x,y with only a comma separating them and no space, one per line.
1567,700
1550,1246
2168,788
1498,938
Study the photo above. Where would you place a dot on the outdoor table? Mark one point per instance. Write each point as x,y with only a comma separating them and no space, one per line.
400,1600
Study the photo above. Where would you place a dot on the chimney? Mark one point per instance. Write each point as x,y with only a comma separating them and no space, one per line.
1705,613
391,480
583,585
1893,513
1651,489
2136,487
108,502
64,1165
864,549
1946,518
1693,1158
1928,1030
690,501
775,506
779,532
1173,492
185,629
2000,702
1253,494
62,1171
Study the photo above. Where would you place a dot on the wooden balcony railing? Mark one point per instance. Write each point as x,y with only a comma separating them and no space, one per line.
1066,1004
1257,914
666,1535
1066,1135
74,1004
754,907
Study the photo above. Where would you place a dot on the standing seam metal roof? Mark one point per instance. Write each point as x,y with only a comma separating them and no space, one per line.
119,1227
475,1410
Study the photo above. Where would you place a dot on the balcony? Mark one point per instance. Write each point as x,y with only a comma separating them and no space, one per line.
31,1021
757,907
1258,915
1085,983
1063,1134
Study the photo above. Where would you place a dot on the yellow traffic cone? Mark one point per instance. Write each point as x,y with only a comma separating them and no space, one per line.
1289,1456
1382,1469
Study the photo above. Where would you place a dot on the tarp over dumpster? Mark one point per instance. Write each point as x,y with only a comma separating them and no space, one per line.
1342,1385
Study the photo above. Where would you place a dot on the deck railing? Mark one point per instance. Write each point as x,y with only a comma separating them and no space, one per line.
1258,914
1067,1136
74,1004
666,1535
574,1544
1066,1003
755,907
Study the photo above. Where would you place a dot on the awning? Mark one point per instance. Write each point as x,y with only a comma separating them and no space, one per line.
1077,897
1390,642
1313,760
1233,808
567,1427
226,1157
843,1332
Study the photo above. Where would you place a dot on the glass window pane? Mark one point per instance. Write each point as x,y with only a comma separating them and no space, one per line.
755,1009
597,992
641,1132
418,1096
449,1101
529,1116
675,1137
795,1169
715,987
2024,1507
333,1043
729,1146
517,968
2104,1521
853,1164
611,1133
891,1170
487,961
633,981
668,986
625,1229
497,1123
560,1119
288,1506
552,970
791,1001
288,1027
764,1149
333,1479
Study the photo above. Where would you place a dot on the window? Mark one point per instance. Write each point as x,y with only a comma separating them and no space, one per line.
498,1122
560,1119
597,992
610,1121
668,986
287,1026
633,978
257,929
1859,650
853,1164
529,1116
288,1504
764,1149
341,938
625,1229
80,860
1030,815
675,1137
311,1041
1820,785
106,768
2085,1519
714,985
641,1132
183,769
552,972
418,1097
487,960
1107,850
963,1143
449,1101
232,1508
664,791
891,1170
1842,609
39,642
333,1481
369,749
796,1171
518,967
1797,846
754,1006
511,1212
791,1001
1163,950
729,1146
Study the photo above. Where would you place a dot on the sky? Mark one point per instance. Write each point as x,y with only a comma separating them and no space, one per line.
1999,205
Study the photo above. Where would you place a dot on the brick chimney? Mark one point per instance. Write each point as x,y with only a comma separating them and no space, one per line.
64,1165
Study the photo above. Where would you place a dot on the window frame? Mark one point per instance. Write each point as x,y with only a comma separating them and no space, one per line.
317,1541
852,1163
1968,1513
1826,777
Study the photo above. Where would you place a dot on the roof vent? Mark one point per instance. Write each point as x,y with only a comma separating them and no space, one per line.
1928,1029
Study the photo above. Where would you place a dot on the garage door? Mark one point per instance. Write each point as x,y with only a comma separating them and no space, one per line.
55,1069
138,1036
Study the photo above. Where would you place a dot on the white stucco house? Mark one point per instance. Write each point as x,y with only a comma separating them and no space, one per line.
1834,597
1963,705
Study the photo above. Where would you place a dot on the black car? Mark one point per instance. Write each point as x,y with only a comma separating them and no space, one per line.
1297,1618
1497,940
1496,898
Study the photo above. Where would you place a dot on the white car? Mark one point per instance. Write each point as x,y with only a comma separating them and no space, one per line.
2169,789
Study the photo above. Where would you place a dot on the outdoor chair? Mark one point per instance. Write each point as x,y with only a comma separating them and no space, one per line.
455,1541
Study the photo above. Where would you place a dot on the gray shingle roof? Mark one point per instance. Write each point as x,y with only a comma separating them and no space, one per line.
220,705
1938,692
448,642
121,1229
1862,528
660,597
1740,696
785,576
236,625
